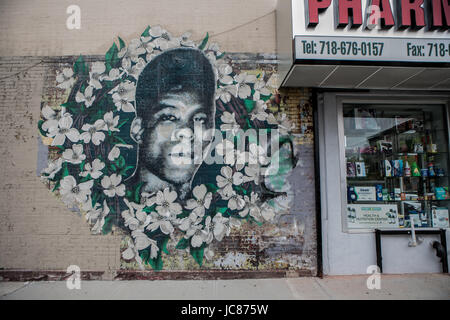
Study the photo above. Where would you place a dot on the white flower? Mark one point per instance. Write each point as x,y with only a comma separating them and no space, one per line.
135,218
223,72
112,186
165,203
52,118
74,155
257,155
165,40
53,168
229,123
134,50
63,130
142,241
132,253
111,122
226,181
225,93
235,201
72,192
201,202
156,31
285,126
218,227
162,222
260,89
65,79
115,151
100,222
92,132
227,150
113,74
259,112
136,129
185,40
242,80
86,97
267,212
253,173
113,154
123,95
94,169
257,211
97,70
251,206
92,212
193,231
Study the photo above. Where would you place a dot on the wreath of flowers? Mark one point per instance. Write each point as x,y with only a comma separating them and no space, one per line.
94,153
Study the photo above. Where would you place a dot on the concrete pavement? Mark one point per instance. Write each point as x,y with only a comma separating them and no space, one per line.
417,286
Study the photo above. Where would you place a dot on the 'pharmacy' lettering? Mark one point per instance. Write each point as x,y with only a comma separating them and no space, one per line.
414,14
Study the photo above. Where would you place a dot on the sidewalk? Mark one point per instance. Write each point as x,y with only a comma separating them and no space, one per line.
422,286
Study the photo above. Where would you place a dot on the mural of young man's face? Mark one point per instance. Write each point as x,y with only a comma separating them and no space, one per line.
175,104
168,142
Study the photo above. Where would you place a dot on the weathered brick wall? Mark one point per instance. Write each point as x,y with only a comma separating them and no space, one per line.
38,232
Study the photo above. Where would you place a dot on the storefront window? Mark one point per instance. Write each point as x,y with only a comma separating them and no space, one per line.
397,159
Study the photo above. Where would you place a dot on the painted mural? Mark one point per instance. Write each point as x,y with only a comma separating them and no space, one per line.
166,142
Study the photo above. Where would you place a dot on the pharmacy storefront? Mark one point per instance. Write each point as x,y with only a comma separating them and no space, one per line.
379,72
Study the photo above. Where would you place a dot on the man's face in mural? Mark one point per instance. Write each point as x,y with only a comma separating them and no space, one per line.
168,143
175,103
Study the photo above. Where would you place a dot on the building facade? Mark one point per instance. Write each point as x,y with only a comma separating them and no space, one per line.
207,139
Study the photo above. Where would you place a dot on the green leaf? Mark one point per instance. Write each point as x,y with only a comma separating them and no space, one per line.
249,105
164,245
149,209
80,68
56,186
65,170
220,56
82,165
204,42
107,227
182,244
40,123
121,43
265,98
120,125
222,210
156,263
119,140
137,192
197,254
211,187
120,162
111,57
240,189
146,32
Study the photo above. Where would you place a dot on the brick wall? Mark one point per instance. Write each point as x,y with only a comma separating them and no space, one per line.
39,233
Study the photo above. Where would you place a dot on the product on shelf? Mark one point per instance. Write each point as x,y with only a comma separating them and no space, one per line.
379,192
415,170
398,167
439,217
387,168
431,172
407,170
441,193
351,169
360,169
385,147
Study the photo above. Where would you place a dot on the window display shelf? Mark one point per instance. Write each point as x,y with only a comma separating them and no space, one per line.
390,153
